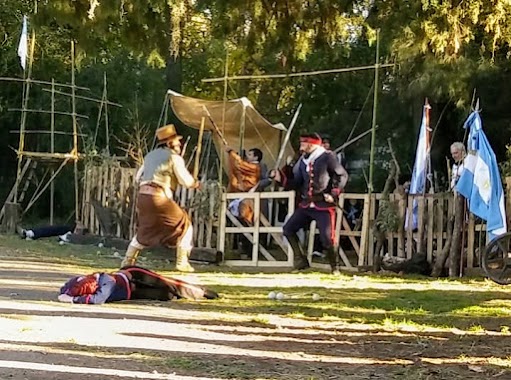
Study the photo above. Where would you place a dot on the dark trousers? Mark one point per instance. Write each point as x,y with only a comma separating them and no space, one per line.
150,285
49,231
325,222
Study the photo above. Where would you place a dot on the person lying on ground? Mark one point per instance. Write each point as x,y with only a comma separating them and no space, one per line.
129,283
62,231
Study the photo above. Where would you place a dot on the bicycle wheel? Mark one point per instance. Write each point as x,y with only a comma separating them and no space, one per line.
496,260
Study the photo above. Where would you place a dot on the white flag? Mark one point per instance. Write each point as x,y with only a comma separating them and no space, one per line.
23,45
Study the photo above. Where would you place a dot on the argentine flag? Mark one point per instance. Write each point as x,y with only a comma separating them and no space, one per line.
421,168
480,181
23,45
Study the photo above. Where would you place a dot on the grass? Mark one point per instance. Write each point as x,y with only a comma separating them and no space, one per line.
384,301
394,312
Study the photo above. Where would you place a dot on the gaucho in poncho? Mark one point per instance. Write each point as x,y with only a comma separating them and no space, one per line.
161,221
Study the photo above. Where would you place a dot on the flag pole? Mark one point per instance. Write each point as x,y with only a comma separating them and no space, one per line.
25,98
427,172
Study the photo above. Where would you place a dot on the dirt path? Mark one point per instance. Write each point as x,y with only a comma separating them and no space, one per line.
43,339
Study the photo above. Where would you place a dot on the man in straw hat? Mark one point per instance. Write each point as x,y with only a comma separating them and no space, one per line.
161,221
318,179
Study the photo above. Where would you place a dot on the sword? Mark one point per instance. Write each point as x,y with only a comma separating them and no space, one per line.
286,137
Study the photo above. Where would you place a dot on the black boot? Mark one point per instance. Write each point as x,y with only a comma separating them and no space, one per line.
334,260
210,294
300,258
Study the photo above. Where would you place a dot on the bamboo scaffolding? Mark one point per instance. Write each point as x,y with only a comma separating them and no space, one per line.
26,94
46,186
62,156
30,80
73,155
35,131
84,97
48,112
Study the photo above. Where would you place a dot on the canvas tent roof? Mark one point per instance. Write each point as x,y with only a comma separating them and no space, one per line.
259,132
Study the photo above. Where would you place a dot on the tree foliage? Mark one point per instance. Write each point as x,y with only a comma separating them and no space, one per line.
442,50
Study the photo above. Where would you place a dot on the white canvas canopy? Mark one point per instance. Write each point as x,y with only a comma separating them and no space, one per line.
239,114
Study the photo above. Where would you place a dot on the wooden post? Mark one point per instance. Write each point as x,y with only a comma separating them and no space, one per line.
105,99
242,127
454,254
430,233
375,108
11,218
222,222
366,230
196,165
471,237
52,148
75,131
508,200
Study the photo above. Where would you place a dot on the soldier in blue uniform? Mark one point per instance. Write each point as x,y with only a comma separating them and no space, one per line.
318,179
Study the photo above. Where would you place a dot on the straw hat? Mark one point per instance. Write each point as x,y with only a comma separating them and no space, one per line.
168,132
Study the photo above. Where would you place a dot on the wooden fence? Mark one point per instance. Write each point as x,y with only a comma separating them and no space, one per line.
355,218
109,208
109,204
109,200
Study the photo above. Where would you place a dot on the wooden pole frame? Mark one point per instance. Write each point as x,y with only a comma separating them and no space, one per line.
52,148
75,133
299,74
199,150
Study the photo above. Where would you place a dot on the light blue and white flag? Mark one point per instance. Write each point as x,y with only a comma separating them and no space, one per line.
422,167
480,181
23,45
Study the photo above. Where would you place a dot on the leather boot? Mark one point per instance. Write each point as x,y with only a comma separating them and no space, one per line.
300,258
334,259
130,258
182,263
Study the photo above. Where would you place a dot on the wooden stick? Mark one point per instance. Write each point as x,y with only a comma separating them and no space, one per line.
45,111
199,149
46,132
217,130
302,74
42,82
354,139
50,180
85,98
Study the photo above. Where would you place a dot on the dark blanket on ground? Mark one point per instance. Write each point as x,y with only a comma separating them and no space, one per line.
417,264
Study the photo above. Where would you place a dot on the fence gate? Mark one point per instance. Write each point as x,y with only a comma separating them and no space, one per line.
270,252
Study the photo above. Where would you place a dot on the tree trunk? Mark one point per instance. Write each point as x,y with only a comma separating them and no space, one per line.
442,256
174,73
455,252
377,257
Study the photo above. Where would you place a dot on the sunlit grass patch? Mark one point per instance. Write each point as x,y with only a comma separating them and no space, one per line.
19,317
376,300
483,311
401,324
476,329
